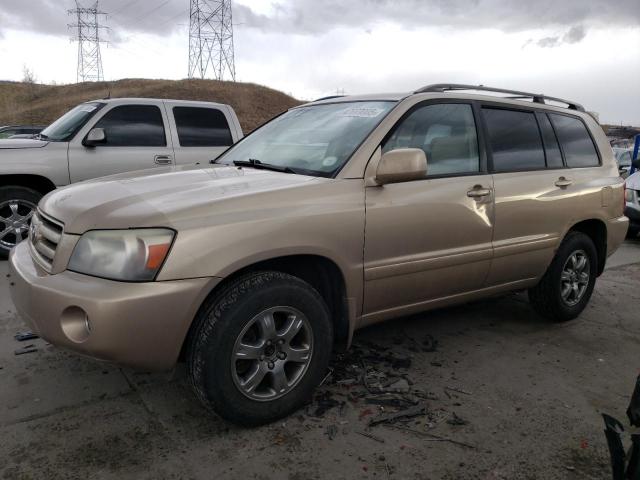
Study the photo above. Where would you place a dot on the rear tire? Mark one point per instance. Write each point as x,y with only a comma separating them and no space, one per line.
260,347
17,205
566,287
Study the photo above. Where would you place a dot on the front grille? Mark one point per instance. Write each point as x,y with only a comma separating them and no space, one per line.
45,234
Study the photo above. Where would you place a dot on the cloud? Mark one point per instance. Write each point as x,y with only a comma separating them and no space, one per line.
574,35
313,17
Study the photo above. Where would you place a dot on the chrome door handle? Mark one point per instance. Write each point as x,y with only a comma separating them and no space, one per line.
478,192
162,159
563,182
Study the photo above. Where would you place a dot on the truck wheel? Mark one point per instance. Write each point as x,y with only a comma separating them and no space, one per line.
260,347
566,287
17,205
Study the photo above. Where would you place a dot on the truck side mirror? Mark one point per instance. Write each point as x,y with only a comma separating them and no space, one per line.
402,165
96,136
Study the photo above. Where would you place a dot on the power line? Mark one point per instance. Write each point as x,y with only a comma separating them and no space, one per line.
211,39
88,38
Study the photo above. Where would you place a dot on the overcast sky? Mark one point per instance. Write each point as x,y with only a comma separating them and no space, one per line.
584,50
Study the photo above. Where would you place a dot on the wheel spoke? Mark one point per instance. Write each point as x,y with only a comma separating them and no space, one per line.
28,216
5,232
565,276
280,382
248,352
583,278
566,289
14,210
582,262
268,326
298,355
255,378
293,327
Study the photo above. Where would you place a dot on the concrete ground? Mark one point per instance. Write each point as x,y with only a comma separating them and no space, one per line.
526,394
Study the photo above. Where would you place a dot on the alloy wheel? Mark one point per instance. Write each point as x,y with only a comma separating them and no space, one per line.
574,278
15,217
272,353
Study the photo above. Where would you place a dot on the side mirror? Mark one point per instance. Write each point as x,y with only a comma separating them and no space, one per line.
96,136
402,165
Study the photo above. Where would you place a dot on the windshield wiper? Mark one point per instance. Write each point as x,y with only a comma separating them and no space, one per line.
252,162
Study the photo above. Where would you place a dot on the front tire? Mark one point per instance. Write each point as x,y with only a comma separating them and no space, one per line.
17,205
260,347
566,287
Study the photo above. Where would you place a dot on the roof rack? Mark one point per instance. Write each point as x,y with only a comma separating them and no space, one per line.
535,97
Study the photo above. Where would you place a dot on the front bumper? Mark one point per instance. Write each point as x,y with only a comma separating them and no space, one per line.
142,325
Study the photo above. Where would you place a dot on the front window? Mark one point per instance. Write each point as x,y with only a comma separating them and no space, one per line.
315,140
64,128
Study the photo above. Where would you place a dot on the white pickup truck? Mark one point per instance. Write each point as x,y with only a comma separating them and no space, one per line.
104,137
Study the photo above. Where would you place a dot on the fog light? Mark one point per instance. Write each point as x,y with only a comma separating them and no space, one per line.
75,324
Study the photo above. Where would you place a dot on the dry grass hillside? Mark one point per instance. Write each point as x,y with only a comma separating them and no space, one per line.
24,103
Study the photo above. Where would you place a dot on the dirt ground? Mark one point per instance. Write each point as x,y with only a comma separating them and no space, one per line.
499,392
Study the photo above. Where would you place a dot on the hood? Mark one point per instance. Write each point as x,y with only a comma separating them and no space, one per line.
159,197
633,181
22,143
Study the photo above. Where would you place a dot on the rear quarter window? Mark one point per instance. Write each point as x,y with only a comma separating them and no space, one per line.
576,143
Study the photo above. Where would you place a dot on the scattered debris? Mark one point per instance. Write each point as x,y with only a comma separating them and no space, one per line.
331,431
27,335
457,390
431,437
456,420
413,411
371,436
27,349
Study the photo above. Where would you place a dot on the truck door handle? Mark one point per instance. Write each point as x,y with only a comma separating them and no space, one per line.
478,192
162,159
563,182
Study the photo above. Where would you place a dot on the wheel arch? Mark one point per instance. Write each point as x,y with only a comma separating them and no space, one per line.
596,230
39,183
320,272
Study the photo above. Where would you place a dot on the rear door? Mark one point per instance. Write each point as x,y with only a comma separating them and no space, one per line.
535,190
429,239
200,133
136,139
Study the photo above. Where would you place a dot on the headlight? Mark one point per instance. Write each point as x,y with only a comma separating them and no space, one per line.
128,255
628,195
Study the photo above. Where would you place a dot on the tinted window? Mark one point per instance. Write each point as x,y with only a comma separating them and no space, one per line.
133,126
515,140
7,133
577,145
551,147
446,133
202,127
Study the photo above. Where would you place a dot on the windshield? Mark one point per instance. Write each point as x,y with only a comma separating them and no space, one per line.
623,157
315,140
67,125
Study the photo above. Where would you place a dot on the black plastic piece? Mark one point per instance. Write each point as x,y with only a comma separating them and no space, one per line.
633,412
613,432
633,468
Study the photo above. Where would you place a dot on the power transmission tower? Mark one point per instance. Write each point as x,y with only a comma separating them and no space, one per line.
88,38
211,39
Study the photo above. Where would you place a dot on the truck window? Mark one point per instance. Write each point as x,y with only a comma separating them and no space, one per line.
445,132
133,126
202,127
575,140
515,140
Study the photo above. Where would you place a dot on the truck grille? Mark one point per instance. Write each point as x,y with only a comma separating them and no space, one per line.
44,235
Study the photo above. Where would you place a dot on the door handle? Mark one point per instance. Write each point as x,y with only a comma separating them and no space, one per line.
563,182
478,192
162,159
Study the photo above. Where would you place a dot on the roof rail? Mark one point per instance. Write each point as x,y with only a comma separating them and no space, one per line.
327,98
535,97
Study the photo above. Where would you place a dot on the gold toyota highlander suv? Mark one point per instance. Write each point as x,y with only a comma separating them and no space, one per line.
335,215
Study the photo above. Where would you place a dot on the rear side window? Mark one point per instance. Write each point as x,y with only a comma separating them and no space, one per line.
515,140
202,127
133,126
578,148
447,135
551,147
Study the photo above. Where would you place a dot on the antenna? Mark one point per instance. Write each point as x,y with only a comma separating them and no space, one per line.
211,39
88,38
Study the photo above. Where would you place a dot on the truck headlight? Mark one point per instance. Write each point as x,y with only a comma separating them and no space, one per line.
127,255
